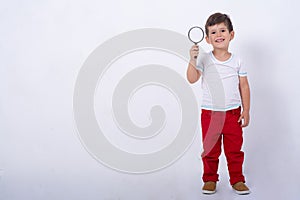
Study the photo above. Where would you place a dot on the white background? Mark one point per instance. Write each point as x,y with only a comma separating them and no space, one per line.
42,47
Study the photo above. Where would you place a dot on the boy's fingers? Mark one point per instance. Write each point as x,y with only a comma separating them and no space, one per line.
194,49
240,119
244,124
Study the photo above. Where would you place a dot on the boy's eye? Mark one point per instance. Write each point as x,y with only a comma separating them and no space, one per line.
223,30
214,32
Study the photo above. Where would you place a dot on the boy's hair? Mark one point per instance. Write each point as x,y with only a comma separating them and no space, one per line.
218,18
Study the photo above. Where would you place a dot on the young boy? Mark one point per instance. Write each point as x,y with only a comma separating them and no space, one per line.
225,91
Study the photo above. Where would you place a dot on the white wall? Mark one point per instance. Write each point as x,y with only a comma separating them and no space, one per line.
43,45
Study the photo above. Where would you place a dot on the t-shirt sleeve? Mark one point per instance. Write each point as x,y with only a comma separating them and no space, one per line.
242,69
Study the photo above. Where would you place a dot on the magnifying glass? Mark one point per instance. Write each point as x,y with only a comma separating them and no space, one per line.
196,35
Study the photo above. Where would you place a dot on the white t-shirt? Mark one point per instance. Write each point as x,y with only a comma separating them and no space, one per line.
220,82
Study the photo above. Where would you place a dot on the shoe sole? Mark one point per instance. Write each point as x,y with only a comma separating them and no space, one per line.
208,191
242,192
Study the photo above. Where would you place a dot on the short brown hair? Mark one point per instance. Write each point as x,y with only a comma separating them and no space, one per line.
218,18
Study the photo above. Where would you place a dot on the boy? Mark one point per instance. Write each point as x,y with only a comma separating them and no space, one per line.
225,91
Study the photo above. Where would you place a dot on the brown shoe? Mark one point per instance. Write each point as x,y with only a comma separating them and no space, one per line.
209,187
241,188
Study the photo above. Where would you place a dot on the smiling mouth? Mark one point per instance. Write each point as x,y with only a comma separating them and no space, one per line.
219,40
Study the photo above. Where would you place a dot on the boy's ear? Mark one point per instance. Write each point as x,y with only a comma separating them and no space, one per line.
231,35
207,39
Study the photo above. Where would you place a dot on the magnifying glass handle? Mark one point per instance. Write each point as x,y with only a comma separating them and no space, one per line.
195,44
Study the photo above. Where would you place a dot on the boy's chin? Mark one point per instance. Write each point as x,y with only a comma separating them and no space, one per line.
220,46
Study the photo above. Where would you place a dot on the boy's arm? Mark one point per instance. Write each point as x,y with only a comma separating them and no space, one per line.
245,95
193,74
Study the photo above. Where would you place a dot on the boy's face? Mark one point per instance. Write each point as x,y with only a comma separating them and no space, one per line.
219,36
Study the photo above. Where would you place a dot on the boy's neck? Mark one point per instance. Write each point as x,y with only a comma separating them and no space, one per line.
221,54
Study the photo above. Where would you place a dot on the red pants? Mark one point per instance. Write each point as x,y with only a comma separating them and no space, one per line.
218,126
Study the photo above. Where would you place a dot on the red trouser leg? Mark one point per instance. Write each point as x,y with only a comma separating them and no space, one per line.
233,141
212,125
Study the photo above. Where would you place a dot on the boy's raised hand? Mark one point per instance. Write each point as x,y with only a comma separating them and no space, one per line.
194,51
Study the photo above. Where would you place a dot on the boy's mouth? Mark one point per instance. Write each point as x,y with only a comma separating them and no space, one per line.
219,40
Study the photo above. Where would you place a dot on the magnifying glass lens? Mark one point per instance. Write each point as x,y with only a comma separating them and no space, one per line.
196,35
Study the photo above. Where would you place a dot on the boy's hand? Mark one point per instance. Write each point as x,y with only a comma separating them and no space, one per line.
194,51
244,118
